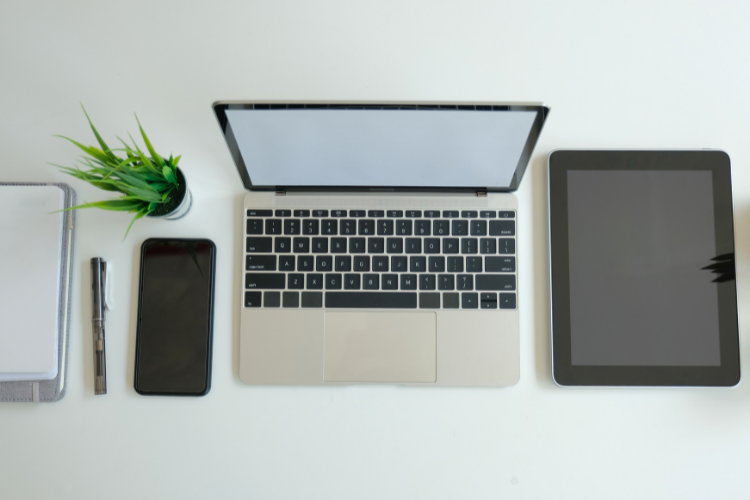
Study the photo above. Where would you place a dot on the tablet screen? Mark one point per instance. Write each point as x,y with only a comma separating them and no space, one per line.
639,291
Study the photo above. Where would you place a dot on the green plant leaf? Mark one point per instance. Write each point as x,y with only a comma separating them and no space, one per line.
116,205
142,156
91,150
151,150
176,160
103,144
169,175
140,214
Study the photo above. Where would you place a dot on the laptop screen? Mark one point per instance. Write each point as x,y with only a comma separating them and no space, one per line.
381,146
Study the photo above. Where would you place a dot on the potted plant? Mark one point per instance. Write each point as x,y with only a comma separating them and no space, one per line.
151,185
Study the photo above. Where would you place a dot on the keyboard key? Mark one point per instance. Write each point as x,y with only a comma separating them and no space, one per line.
390,282
333,281
450,245
394,245
371,300
301,245
343,263
258,245
469,214
259,213
469,301
252,299
338,245
460,227
431,245
314,281
422,228
320,245
417,264
473,264
258,280
403,227
283,213
380,264
320,213
295,281
376,213
302,213
429,301
370,281
398,264
502,227
310,226
366,227
427,282
455,265
312,299
338,213
450,301
478,227
465,282
408,282
375,245
395,213
273,226
356,213
508,214
361,264
348,227
290,299
356,245
469,245
436,264
324,263
270,299
446,282
500,264
506,245
488,300
507,301
385,227
305,263
329,227
260,262
487,245
291,226
282,245
432,213
413,213
413,245
254,226
496,282
286,263
441,228
450,213
487,214
352,281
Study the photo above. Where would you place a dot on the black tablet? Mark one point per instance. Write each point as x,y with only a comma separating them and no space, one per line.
642,268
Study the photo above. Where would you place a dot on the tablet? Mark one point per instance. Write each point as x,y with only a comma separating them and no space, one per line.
642,268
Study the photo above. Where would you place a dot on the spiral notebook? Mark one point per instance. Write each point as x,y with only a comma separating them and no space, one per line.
36,246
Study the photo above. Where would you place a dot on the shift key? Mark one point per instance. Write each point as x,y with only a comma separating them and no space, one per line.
492,282
265,281
259,245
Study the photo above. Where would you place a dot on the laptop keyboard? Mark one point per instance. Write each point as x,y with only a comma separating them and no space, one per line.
381,259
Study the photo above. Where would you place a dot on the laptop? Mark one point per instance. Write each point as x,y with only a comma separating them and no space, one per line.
379,240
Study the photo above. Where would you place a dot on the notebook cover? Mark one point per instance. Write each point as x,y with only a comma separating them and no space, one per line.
54,389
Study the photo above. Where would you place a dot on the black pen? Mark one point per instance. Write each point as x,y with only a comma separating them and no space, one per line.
98,282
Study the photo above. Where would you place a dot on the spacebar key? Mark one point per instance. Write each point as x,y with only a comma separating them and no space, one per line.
372,300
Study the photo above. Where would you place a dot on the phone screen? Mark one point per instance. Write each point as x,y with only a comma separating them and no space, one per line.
175,320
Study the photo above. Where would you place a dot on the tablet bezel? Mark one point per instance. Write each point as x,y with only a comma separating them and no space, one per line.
560,162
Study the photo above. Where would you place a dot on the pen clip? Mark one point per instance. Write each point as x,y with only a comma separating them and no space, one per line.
107,285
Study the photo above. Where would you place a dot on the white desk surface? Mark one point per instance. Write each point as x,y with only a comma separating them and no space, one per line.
620,74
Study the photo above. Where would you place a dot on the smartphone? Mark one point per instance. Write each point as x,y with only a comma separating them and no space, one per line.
175,317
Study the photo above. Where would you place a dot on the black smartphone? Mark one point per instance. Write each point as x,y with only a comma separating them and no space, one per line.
175,317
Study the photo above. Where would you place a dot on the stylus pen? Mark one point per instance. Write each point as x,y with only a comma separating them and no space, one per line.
98,282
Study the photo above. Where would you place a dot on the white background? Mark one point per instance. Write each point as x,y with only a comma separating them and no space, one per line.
618,74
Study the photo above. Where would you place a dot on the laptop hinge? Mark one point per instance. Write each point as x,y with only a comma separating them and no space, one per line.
280,193
482,194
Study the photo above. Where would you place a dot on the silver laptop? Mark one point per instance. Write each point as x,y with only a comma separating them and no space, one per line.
380,240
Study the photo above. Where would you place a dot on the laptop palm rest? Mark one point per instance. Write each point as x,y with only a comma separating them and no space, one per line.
380,347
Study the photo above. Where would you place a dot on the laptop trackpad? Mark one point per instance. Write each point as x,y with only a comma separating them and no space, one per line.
380,347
